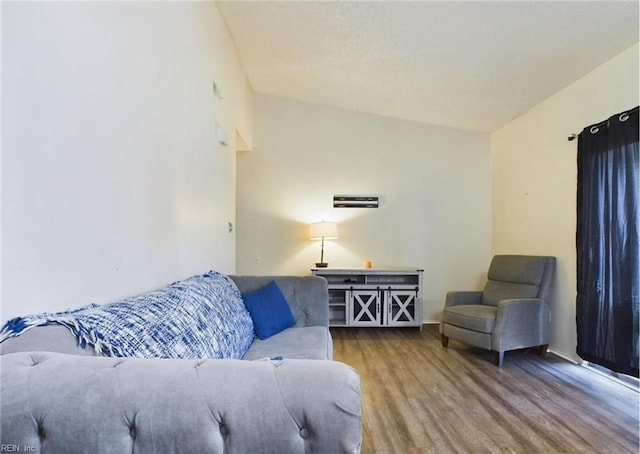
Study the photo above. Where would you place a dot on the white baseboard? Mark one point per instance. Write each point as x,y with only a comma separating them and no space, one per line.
565,357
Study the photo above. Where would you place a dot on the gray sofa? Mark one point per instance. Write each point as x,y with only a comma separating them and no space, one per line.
59,398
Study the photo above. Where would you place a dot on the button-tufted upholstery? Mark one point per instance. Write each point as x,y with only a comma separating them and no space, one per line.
58,398
59,403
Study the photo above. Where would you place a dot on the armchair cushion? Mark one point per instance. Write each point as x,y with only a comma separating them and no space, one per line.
521,269
477,317
495,291
513,276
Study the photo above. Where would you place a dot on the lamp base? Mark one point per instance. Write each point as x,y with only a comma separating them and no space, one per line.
321,264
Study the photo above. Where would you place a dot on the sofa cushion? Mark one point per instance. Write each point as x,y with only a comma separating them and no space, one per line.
269,310
307,296
306,342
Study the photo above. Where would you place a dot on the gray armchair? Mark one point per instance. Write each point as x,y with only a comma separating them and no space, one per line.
512,311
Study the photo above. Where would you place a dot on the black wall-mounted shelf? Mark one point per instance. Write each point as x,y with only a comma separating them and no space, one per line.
355,201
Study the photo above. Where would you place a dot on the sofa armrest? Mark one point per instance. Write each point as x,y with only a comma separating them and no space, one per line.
50,338
308,296
165,405
520,323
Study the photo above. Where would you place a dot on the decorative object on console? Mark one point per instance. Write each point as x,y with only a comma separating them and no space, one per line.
321,231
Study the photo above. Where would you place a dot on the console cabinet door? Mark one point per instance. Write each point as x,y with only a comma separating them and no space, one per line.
401,307
365,307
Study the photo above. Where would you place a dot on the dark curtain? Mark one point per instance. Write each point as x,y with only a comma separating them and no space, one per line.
608,248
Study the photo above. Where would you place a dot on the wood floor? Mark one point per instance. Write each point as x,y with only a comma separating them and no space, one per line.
420,398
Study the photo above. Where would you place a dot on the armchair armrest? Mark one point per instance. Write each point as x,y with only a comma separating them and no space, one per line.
520,323
458,298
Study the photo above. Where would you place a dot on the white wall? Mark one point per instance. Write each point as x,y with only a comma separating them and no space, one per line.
534,178
112,181
434,185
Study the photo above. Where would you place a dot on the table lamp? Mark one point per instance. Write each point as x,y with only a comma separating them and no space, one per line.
321,231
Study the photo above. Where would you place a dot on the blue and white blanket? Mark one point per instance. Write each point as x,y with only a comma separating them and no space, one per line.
200,317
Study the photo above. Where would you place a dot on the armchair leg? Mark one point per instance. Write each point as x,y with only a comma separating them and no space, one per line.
445,340
542,350
498,357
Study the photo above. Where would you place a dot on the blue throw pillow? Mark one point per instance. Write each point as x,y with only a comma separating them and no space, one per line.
269,310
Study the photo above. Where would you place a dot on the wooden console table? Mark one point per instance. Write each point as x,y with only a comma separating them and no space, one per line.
389,297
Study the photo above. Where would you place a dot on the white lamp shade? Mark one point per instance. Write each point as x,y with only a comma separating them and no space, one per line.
326,230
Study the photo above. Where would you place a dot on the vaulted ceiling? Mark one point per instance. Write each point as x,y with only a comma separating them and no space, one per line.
471,65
